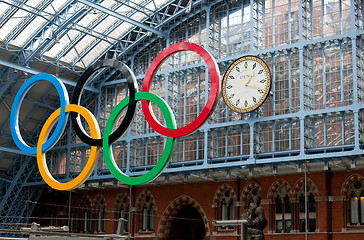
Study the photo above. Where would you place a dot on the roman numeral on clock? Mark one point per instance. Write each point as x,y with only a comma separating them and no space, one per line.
229,87
231,96
232,77
254,99
246,65
237,69
263,81
254,65
260,91
237,102
260,71
246,103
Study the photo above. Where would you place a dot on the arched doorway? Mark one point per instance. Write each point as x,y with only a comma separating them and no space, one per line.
187,225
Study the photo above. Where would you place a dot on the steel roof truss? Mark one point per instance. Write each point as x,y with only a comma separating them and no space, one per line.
31,17
124,18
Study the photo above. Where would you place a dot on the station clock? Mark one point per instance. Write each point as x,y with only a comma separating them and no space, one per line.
246,84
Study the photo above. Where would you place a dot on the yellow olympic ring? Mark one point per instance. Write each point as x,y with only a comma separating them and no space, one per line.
41,158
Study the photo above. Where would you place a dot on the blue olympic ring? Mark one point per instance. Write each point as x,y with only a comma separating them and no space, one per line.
14,115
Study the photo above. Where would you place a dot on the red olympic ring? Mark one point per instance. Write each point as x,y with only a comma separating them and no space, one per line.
210,104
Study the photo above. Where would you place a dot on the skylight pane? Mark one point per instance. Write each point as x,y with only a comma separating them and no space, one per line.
123,9
153,5
95,52
31,27
121,30
33,3
138,16
57,50
80,65
29,31
103,26
55,6
70,56
12,24
88,19
107,3
84,43
4,8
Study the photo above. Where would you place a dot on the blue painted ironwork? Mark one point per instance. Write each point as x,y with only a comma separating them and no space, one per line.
126,19
294,137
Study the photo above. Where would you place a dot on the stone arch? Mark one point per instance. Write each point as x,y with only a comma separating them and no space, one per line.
141,197
248,188
220,191
173,208
86,199
352,178
301,182
98,199
119,198
275,185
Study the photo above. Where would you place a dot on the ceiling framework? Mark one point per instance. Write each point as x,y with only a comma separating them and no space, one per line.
33,56
301,122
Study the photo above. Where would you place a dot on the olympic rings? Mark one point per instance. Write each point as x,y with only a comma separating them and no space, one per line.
210,104
162,163
41,159
14,114
95,140
76,98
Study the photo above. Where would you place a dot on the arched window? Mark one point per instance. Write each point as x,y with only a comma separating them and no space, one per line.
226,208
305,209
75,224
253,197
283,210
101,217
356,203
123,213
311,213
88,223
147,215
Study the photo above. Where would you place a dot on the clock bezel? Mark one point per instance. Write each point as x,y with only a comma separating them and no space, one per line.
266,93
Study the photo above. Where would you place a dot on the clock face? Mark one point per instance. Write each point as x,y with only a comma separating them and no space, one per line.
246,84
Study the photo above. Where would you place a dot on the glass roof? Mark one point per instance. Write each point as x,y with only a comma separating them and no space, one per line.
79,43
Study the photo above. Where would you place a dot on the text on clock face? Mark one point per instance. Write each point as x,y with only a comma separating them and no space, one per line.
244,76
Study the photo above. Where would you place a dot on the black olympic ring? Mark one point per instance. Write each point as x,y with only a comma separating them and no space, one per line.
76,98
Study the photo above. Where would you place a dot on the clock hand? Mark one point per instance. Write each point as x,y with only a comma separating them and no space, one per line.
251,75
253,86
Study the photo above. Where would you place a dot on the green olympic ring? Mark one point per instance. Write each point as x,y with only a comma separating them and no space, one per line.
163,161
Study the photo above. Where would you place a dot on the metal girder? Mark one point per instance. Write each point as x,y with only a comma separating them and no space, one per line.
140,7
126,19
137,41
28,46
16,183
27,21
11,150
59,19
9,81
94,43
33,71
49,41
12,205
9,14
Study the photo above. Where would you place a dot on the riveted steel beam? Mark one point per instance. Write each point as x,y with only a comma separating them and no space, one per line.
121,17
